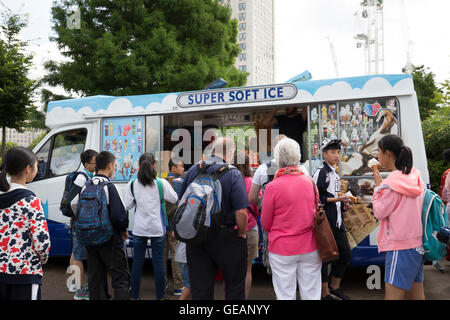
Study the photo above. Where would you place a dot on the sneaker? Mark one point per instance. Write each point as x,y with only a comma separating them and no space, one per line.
81,294
438,267
177,292
73,287
328,297
339,294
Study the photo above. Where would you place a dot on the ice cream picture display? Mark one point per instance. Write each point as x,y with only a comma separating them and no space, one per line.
124,138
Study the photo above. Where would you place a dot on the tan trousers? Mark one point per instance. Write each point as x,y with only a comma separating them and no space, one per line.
172,243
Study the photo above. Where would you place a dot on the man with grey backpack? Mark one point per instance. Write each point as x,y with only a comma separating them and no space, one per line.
214,196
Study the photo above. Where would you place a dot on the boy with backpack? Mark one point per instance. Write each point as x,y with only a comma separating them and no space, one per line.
101,224
215,200
175,178
73,185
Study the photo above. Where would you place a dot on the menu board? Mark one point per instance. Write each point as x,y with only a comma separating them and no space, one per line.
125,139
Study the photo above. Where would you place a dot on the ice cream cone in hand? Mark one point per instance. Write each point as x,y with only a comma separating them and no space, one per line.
373,164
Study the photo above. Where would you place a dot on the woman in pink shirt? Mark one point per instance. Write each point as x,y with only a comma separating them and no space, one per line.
397,203
287,215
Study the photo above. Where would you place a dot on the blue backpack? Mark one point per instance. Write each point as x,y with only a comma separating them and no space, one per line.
64,206
92,224
434,217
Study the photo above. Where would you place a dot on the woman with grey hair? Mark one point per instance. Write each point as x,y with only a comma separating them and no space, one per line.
288,210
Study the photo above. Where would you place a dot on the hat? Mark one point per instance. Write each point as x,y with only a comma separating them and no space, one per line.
328,144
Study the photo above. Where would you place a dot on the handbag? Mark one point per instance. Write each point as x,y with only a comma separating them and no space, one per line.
326,244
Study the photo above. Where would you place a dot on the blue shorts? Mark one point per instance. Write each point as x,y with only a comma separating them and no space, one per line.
185,274
78,250
403,267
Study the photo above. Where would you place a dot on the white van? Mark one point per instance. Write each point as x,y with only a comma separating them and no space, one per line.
358,110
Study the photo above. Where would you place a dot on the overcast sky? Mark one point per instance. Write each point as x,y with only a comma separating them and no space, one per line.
301,28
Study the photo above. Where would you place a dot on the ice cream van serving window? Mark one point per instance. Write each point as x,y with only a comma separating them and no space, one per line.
360,124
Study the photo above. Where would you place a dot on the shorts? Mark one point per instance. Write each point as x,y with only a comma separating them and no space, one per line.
78,250
403,267
185,274
252,245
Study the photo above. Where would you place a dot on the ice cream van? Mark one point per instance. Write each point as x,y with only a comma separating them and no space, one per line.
359,110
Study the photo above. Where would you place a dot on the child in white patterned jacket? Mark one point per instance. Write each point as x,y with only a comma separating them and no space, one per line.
24,237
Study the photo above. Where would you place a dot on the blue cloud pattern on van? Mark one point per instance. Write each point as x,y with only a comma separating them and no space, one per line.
64,112
354,82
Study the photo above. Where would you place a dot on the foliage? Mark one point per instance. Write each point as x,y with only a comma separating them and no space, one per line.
36,140
427,91
16,89
436,133
129,47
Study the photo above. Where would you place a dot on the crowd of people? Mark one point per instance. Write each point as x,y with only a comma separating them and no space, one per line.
280,193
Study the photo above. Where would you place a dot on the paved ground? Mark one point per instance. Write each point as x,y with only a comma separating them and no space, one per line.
437,285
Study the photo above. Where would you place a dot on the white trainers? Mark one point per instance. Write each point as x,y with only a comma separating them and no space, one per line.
73,287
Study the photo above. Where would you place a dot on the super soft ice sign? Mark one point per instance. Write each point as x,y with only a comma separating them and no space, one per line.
237,95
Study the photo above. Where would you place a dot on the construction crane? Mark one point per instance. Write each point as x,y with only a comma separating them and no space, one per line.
333,56
408,68
372,39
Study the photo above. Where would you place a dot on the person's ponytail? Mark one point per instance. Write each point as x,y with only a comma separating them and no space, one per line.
404,160
403,154
147,172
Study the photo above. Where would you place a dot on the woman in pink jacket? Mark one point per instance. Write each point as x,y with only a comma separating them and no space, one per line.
288,210
397,203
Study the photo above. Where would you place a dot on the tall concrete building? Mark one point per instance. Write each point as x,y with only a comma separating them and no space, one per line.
255,38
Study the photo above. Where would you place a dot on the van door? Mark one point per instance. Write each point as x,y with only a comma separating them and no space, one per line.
58,155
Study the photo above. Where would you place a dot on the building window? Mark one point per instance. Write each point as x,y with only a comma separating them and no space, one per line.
242,36
242,26
243,46
242,6
242,16
242,56
243,68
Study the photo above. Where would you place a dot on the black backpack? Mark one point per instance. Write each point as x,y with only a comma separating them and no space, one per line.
263,187
65,208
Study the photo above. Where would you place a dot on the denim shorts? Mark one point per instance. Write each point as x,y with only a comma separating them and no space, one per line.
78,250
185,274
403,267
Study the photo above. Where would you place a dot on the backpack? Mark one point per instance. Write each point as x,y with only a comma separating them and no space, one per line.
434,217
170,207
265,235
64,206
441,186
159,183
263,187
92,223
200,207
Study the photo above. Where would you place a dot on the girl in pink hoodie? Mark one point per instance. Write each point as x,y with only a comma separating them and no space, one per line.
397,203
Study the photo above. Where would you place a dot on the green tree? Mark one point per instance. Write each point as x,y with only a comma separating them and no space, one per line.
36,140
427,91
127,47
436,133
16,89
